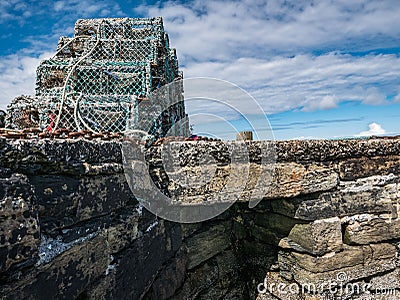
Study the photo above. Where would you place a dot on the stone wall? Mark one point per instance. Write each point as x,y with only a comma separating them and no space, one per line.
71,228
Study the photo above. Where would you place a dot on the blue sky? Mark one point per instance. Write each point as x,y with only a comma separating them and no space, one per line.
318,69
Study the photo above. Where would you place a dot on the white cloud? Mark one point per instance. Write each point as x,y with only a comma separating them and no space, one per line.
12,10
18,16
374,129
60,10
286,53
397,97
59,5
327,102
374,97
224,29
267,48
306,81
73,9
17,71
17,76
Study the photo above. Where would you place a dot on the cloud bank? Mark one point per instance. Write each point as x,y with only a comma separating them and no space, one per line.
290,55
374,129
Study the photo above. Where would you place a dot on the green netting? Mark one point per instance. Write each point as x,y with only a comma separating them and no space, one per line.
96,78
125,50
128,28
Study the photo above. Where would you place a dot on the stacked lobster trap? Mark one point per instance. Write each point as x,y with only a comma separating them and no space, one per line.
100,79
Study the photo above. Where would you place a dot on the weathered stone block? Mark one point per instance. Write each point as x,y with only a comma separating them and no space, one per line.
228,284
64,200
189,228
287,243
389,280
169,279
290,180
206,244
323,150
19,225
354,262
67,276
231,183
265,235
198,280
366,229
368,195
122,234
318,237
355,168
32,156
136,267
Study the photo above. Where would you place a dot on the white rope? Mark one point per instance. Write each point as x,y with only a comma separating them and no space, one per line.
76,111
77,115
70,73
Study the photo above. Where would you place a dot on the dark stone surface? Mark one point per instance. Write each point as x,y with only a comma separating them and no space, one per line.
97,242
2,118
66,276
66,200
285,151
19,225
137,266
56,156
67,156
355,168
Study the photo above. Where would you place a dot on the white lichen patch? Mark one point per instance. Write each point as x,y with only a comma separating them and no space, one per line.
49,248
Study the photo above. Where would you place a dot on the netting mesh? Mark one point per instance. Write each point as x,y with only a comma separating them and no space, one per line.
97,78
31,112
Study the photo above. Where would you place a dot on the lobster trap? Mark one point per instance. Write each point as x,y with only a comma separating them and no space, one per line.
97,79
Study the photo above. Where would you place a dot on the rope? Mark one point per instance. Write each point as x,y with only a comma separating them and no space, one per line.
70,73
94,79
76,111
77,115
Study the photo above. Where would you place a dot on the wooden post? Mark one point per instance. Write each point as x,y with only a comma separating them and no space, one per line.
244,136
